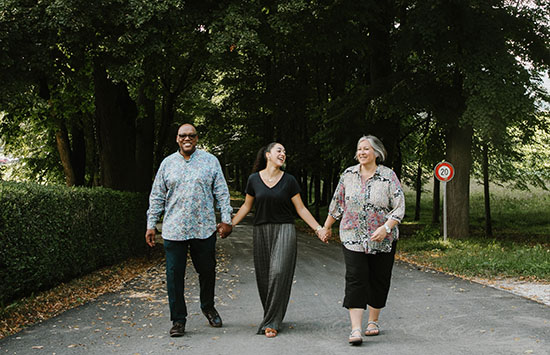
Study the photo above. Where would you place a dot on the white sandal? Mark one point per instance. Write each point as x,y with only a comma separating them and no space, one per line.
372,331
355,337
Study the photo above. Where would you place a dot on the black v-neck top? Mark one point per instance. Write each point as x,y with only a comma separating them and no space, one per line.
273,205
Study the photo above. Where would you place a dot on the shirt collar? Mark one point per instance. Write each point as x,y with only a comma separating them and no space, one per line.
356,170
190,157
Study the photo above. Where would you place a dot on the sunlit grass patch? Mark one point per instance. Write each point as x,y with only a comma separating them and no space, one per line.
512,211
478,256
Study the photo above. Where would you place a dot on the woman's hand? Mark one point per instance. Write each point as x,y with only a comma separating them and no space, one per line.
379,234
323,234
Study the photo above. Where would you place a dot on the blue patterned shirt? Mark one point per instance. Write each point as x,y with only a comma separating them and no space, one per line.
185,191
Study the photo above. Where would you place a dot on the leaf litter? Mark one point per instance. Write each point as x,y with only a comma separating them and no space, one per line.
135,278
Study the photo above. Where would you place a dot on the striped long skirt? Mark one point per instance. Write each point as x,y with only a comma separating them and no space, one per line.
274,261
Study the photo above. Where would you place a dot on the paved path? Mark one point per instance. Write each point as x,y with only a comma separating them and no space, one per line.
427,313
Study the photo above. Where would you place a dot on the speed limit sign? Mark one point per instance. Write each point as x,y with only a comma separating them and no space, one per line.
444,171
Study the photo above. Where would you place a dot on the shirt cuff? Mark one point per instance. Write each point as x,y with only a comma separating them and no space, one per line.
226,218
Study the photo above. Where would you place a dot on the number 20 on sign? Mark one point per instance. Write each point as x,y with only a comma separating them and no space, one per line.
444,172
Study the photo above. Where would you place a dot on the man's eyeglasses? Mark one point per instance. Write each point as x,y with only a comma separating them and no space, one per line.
190,136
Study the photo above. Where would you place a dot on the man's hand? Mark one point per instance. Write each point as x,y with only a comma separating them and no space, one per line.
224,229
150,237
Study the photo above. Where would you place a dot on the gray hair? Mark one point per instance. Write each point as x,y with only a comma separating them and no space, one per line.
377,146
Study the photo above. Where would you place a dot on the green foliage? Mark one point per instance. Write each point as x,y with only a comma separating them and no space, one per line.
518,213
511,210
521,247
480,257
26,134
50,234
426,239
462,64
315,75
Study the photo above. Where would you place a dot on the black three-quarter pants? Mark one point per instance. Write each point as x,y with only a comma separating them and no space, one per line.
368,278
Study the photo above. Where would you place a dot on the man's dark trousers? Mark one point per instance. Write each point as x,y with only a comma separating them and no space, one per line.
203,256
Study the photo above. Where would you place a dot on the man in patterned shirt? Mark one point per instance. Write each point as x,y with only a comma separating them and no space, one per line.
185,187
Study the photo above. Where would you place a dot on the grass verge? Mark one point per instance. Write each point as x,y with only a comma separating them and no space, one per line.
522,258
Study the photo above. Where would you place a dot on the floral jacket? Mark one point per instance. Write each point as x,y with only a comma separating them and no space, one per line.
363,206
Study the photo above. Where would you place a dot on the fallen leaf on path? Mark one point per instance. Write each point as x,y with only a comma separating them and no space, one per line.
50,303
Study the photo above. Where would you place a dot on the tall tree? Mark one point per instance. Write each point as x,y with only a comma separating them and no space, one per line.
462,51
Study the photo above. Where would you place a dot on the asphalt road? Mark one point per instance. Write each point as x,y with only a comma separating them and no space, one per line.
427,313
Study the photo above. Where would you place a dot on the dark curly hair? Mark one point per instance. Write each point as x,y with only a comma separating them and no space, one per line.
261,161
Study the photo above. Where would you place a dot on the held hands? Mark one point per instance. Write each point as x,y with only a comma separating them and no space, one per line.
224,229
324,234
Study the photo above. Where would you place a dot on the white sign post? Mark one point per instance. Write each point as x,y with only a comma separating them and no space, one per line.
444,172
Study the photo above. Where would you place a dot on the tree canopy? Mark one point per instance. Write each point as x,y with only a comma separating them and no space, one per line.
92,92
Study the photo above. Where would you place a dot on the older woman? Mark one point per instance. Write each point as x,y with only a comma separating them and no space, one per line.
371,204
276,195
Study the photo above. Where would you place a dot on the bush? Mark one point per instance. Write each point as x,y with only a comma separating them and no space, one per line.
51,234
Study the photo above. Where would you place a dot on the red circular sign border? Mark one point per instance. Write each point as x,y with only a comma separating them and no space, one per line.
448,165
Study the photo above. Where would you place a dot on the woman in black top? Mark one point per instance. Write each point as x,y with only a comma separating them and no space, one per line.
276,195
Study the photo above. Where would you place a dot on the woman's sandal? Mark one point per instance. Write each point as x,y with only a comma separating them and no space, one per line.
374,330
355,337
270,332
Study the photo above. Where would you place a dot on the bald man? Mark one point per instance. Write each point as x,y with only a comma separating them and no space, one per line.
186,186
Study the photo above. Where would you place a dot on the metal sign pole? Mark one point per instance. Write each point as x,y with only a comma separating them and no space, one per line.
444,211
444,172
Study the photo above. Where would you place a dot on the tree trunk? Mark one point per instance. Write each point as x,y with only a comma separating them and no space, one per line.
387,129
225,168
78,156
459,143
303,182
325,193
116,118
244,178
311,187
335,181
435,203
145,142
64,149
487,196
317,181
61,134
237,180
418,187
166,140
92,150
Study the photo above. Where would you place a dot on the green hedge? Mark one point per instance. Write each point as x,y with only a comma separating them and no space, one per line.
50,234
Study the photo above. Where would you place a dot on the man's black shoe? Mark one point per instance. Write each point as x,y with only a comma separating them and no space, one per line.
177,330
213,317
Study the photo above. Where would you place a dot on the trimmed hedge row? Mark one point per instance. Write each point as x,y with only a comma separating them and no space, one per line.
51,234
